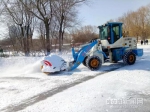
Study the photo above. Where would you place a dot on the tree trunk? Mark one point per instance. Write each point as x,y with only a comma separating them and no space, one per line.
60,32
24,41
47,38
63,37
60,38
31,41
28,45
55,43
24,44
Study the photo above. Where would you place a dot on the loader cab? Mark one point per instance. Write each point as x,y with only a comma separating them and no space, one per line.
110,31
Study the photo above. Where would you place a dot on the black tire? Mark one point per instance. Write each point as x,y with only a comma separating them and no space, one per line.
93,63
129,58
84,61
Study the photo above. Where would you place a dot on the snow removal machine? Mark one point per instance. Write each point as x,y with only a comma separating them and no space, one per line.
111,45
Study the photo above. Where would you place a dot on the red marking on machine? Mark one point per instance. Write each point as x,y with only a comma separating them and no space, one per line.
47,63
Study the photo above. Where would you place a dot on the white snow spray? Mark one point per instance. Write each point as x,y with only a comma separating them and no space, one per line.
19,65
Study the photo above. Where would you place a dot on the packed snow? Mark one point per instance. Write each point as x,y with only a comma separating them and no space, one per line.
23,87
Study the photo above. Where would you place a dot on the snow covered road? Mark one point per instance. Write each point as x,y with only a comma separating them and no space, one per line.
23,87
28,86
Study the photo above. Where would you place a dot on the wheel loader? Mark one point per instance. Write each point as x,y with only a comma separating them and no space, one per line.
110,46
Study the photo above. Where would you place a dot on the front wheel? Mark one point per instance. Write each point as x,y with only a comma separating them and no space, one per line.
93,62
129,58
84,61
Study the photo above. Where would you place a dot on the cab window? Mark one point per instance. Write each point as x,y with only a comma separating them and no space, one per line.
104,33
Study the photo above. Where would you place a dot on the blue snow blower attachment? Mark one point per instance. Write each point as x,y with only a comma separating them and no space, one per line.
54,63
80,55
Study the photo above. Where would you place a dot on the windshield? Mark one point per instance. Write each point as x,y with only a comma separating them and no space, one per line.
104,33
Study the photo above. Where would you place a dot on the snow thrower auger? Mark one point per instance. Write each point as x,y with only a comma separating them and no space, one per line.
54,63
111,46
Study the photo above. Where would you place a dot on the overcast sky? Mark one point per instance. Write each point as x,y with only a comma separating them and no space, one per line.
98,12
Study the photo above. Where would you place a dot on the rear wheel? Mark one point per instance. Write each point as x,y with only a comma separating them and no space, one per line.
129,58
93,62
47,73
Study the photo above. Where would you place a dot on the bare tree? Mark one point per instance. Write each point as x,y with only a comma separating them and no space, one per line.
42,38
23,19
84,34
143,12
1,7
137,23
49,11
14,33
43,10
64,15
